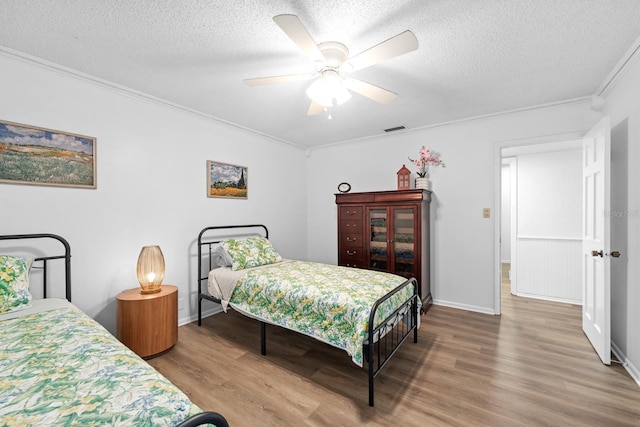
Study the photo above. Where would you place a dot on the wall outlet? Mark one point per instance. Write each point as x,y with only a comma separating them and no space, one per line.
180,304
486,213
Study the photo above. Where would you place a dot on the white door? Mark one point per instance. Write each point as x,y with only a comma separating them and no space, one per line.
596,153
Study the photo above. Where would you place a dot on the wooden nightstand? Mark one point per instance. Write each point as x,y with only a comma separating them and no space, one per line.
148,323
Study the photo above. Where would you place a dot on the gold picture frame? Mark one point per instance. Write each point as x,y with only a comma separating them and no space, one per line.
39,156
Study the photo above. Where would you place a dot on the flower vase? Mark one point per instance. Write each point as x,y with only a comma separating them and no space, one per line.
423,183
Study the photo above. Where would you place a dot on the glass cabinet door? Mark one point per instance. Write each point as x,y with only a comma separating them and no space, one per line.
378,238
404,241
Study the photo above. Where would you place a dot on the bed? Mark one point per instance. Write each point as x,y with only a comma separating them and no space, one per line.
369,314
58,366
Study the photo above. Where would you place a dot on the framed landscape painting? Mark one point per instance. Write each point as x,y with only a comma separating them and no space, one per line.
228,181
38,156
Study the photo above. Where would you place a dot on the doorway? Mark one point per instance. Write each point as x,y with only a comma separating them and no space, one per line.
539,212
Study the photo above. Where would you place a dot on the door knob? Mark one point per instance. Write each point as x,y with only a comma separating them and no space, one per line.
615,254
597,253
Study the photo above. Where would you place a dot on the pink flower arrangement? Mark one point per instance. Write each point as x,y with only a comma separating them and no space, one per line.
426,158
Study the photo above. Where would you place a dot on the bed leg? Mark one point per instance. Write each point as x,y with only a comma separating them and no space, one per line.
416,313
199,310
371,374
370,390
263,338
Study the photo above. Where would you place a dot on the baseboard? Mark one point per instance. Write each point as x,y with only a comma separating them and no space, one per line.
194,317
552,299
474,308
626,364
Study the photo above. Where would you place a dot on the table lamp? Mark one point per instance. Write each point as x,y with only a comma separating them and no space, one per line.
150,269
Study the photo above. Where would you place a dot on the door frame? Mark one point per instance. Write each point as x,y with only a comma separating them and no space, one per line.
512,163
499,147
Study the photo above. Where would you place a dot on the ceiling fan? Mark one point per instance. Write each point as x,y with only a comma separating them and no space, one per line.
332,59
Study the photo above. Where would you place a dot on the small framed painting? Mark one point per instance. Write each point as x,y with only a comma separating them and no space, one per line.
226,180
39,156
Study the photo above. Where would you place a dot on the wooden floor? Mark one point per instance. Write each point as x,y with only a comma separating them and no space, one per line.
531,366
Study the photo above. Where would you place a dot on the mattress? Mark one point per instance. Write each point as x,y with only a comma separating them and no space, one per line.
60,367
327,302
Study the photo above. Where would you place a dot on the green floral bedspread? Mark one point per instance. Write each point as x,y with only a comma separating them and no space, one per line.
327,302
60,367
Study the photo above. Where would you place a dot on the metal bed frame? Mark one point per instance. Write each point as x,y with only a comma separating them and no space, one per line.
391,332
206,417
45,259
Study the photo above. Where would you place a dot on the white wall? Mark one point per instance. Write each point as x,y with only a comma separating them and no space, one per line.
151,164
550,194
549,214
622,104
463,258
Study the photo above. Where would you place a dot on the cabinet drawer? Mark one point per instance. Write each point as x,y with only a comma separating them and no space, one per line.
351,263
350,212
351,239
351,257
350,226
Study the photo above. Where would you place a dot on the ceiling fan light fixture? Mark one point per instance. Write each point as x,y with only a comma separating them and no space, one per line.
329,89
332,60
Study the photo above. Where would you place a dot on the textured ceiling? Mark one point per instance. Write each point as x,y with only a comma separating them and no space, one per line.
475,57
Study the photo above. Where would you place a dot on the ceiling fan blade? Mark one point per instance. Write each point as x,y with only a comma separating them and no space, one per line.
278,79
395,46
376,93
315,108
292,26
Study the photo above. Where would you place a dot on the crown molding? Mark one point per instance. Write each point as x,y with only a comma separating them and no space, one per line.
621,68
126,91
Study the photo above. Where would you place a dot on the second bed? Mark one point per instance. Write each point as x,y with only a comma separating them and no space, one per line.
369,314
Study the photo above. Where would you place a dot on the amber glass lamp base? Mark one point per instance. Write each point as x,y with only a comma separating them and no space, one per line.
150,269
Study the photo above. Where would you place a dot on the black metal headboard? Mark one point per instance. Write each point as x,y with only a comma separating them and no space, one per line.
45,259
209,242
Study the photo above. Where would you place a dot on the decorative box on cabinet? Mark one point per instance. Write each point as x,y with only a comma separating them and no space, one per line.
387,231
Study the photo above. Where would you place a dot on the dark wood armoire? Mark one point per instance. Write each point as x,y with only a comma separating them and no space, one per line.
387,231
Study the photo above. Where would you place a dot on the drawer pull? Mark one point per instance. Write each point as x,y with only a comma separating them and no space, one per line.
351,239
351,212
352,253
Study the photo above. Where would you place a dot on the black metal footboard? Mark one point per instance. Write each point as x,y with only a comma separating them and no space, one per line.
208,418
391,332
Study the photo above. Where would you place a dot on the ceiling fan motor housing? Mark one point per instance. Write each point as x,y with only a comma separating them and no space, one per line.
335,53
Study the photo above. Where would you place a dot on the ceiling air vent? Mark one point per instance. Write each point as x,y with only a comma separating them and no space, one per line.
394,129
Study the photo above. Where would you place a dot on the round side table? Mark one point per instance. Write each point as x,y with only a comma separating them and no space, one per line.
148,323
